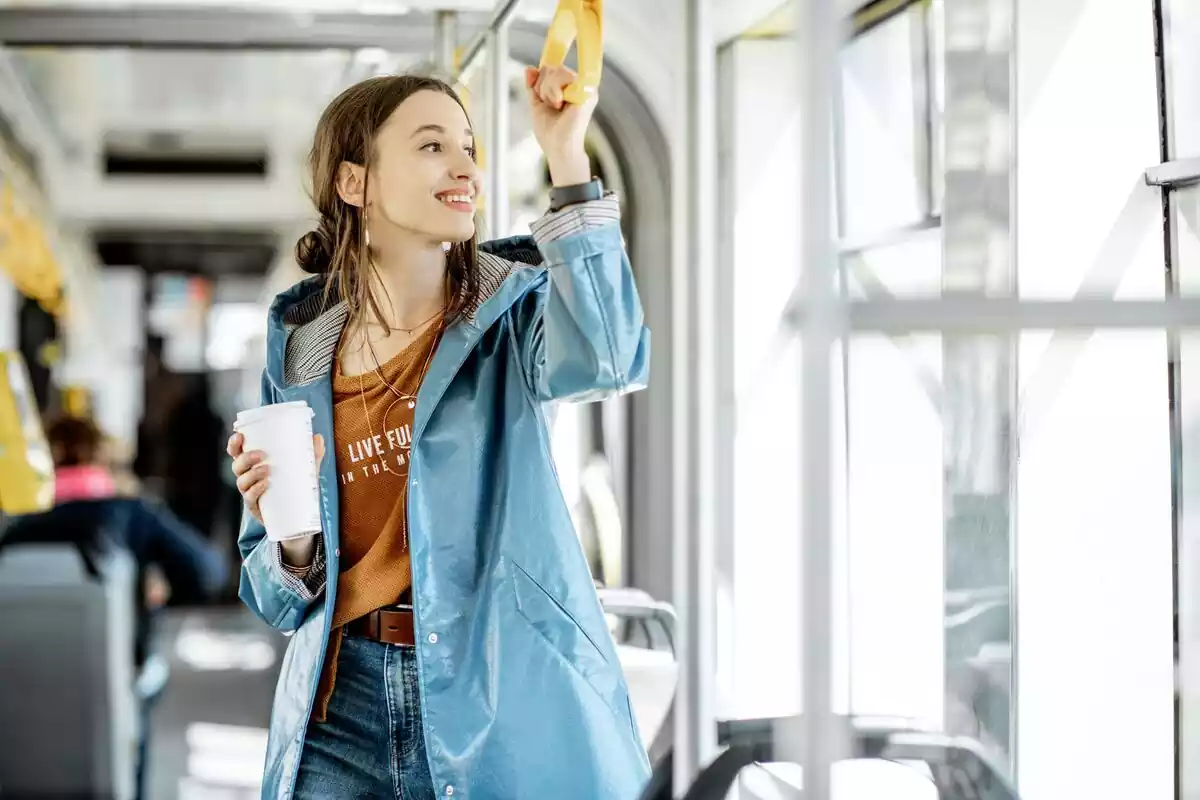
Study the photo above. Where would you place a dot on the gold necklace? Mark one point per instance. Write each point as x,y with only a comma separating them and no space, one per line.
399,398
419,325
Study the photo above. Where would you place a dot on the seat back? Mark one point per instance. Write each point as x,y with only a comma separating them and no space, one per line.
644,632
67,675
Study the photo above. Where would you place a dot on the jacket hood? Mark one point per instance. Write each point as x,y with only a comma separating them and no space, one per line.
304,324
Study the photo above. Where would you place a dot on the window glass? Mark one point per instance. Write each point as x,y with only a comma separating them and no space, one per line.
882,128
1182,18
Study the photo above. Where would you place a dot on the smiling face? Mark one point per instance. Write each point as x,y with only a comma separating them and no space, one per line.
423,178
392,173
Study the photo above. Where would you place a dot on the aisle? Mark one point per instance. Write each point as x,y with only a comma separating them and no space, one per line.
209,727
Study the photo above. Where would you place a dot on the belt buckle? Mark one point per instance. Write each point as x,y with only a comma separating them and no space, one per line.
401,624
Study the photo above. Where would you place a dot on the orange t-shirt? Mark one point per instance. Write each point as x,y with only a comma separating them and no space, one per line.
372,433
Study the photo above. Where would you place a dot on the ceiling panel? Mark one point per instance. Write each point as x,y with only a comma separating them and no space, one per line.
91,91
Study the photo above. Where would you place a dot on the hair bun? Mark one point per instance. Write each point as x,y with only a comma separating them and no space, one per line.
314,250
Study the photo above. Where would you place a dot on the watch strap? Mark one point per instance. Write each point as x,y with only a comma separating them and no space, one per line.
563,196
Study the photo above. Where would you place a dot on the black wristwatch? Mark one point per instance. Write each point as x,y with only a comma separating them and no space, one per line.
563,196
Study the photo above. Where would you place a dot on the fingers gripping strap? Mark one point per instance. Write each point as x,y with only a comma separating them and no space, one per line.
578,22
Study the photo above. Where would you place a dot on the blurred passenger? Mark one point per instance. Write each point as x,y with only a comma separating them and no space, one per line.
180,447
519,692
79,470
159,396
194,439
171,557
88,511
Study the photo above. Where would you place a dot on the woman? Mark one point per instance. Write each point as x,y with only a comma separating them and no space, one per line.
459,649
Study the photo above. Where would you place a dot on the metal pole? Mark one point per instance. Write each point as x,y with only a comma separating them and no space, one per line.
497,132
997,316
211,28
447,35
695,377
822,735
500,17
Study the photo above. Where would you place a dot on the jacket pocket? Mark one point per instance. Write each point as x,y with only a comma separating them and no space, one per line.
564,635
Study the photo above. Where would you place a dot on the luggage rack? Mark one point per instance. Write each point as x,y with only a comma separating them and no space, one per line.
957,765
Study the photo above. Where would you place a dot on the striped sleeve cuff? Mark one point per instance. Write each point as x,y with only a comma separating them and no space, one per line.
307,581
577,219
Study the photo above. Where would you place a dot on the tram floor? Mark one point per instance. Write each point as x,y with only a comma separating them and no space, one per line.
208,727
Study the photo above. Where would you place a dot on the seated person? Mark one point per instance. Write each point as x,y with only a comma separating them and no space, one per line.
89,513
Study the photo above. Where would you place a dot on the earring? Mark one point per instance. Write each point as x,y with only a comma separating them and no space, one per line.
445,247
367,236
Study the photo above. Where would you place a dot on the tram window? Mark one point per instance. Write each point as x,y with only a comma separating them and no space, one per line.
1184,76
910,267
936,62
176,312
884,135
597,168
232,330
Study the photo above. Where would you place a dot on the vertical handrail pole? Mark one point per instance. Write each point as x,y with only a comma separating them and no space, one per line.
694,390
474,51
444,44
497,132
822,733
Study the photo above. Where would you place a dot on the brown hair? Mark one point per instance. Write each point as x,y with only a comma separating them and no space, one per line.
74,441
338,247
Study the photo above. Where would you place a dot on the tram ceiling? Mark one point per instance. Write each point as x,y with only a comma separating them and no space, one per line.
221,29
305,29
191,252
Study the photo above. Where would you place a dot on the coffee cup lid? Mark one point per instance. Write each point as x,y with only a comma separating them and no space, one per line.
252,415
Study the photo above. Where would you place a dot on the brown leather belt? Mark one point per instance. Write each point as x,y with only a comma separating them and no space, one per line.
389,625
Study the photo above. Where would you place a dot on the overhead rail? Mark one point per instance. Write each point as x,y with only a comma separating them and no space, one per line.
478,45
213,29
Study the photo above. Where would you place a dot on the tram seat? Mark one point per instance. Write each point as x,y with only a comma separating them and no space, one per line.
885,760
67,674
644,631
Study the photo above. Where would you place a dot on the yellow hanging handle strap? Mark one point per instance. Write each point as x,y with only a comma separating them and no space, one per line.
580,22
26,465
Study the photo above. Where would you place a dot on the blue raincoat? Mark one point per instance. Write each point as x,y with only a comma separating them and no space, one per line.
523,695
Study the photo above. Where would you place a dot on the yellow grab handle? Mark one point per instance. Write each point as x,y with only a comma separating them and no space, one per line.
26,466
580,22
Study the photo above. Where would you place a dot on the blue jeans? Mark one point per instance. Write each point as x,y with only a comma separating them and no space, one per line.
371,743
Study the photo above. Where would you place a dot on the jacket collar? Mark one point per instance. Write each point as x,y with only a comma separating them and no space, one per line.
305,325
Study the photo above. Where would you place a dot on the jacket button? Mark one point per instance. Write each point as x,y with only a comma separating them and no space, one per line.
449,791
433,637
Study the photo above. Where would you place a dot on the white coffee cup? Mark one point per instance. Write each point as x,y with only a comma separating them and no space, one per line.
291,505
